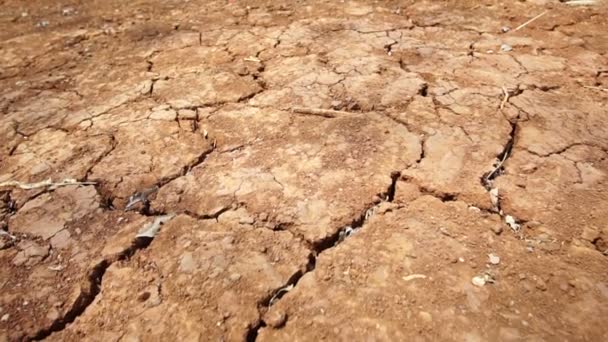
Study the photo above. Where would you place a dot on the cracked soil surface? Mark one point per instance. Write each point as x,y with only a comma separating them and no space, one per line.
325,170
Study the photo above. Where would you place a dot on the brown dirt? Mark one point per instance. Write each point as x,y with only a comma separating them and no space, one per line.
334,170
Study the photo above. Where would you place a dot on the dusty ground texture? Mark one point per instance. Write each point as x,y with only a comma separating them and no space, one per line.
324,170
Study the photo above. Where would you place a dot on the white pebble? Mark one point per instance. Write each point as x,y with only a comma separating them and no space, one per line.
494,259
478,281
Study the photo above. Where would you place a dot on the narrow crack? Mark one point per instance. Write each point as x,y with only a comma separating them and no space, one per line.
113,145
318,248
501,158
185,169
487,180
92,289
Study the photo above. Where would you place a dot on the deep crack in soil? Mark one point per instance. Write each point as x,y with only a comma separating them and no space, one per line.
88,295
319,247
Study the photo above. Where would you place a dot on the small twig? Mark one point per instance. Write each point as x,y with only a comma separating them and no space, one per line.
505,99
498,166
45,183
252,59
279,293
326,113
596,88
581,2
529,21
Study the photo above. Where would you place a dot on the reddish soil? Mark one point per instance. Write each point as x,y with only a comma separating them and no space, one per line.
323,170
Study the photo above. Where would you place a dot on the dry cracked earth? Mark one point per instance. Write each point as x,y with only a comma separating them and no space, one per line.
303,170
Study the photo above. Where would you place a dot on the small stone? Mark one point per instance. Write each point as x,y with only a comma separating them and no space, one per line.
42,23
506,48
493,259
276,318
478,281
474,209
235,277
496,229
461,259
540,284
5,317
67,11
510,220
494,197
505,29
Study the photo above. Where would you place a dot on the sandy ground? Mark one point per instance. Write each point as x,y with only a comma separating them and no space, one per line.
303,170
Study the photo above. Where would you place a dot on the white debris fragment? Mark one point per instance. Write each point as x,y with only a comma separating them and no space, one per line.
512,223
478,281
56,268
493,259
506,48
150,230
414,276
494,197
5,233
483,279
474,209
67,11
